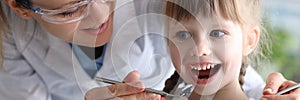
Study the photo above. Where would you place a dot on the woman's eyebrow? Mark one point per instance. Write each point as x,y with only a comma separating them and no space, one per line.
42,5
69,3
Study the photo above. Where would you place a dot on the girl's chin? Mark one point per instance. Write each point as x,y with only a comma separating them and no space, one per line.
200,90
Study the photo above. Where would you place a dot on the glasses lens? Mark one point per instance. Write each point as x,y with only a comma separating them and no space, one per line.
69,15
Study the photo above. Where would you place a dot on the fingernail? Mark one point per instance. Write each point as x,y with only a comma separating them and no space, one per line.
155,97
269,90
263,99
150,95
137,84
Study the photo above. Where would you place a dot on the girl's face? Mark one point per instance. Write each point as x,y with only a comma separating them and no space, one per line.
206,52
92,31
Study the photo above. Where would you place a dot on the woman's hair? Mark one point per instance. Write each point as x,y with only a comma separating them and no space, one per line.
3,27
246,13
23,3
3,20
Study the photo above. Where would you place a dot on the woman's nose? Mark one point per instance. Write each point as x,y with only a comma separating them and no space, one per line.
202,47
98,13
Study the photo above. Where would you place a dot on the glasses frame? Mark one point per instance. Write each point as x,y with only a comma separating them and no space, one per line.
45,12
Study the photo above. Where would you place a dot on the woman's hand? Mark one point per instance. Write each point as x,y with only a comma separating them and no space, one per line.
275,83
132,89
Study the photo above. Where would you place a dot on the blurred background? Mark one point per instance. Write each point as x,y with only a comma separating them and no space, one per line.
283,25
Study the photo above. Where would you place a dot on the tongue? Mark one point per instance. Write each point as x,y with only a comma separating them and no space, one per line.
204,73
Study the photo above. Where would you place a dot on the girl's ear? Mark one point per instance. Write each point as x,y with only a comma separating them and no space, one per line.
22,12
252,40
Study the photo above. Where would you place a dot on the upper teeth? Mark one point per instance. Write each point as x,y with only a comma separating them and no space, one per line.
204,67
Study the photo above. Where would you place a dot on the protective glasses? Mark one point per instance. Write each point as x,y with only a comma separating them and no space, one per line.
69,14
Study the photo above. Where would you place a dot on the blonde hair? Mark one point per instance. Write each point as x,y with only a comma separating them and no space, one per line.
247,13
3,27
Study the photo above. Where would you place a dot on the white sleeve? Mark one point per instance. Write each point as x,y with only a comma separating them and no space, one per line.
18,81
254,84
21,88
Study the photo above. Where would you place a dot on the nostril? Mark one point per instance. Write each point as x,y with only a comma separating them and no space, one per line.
198,54
200,51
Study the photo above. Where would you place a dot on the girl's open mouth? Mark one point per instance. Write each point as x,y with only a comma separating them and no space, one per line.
205,73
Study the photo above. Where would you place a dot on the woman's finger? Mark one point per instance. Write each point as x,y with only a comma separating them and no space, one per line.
286,84
99,93
132,77
273,83
141,96
115,90
126,88
291,96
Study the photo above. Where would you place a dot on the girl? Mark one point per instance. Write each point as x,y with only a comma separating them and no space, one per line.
39,51
211,43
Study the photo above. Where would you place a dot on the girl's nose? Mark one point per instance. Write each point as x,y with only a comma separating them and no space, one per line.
202,47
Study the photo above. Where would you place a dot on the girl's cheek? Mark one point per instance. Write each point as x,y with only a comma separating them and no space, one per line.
220,49
175,55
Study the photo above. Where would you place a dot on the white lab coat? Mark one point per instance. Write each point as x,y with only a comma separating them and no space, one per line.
43,67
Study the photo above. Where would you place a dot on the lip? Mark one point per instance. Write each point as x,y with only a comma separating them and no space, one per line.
207,81
102,28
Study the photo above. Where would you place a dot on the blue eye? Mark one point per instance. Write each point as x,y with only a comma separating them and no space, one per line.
183,35
217,33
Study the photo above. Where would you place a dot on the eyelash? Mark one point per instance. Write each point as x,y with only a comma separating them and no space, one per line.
66,14
223,31
177,35
71,13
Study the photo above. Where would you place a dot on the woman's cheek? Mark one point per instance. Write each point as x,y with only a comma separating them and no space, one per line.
63,31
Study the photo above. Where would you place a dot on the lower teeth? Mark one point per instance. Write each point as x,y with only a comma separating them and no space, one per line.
212,72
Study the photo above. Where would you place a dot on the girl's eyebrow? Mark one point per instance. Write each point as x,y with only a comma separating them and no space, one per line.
222,24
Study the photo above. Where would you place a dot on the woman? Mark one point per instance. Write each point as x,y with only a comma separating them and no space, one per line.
46,34
3,26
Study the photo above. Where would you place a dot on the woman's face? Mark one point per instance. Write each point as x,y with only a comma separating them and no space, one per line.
206,52
92,31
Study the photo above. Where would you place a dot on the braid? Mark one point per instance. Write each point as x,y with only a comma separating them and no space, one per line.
243,72
171,82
